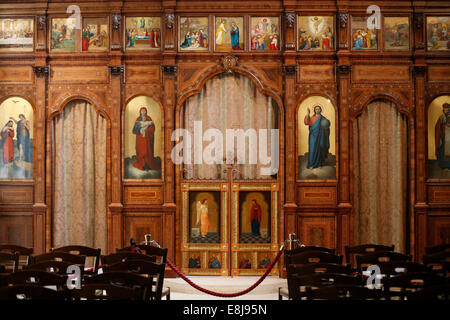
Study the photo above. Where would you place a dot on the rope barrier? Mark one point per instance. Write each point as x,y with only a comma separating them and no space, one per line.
227,295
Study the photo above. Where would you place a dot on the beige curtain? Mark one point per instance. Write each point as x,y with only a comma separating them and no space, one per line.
229,102
380,175
79,159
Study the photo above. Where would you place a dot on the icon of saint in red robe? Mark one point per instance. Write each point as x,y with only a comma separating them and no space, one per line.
7,142
255,217
144,129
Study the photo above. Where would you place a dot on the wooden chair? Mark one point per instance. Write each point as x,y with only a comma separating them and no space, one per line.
439,292
106,291
124,279
352,252
161,253
9,262
60,256
438,248
37,277
31,292
59,267
378,257
125,256
313,257
439,262
344,292
149,269
399,267
301,285
84,251
23,253
308,248
396,287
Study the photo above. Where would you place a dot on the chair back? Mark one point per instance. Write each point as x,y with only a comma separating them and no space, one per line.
399,267
54,266
352,252
161,253
9,262
320,267
378,257
301,284
37,277
83,251
124,279
344,292
397,287
31,292
439,262
313,257
60,256
146,268
125,256
438,248
437,293
106,291
23,253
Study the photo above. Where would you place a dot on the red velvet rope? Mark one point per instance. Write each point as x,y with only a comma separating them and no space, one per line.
226,295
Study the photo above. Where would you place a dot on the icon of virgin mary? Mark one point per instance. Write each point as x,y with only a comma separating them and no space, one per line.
144,129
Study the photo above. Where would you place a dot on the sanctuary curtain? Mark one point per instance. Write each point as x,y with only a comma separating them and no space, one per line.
380,175
230,102
79,173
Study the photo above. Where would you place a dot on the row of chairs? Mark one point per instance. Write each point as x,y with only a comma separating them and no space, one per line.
132,273
318,273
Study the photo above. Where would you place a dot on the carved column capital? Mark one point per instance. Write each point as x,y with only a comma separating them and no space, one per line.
419,70
41,71
169,18
290,19
343,19
42,22
169,70
290,70
343,69
116,71
116,20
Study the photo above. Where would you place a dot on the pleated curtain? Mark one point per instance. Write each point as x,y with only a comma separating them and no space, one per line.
79,173
380,175
229,102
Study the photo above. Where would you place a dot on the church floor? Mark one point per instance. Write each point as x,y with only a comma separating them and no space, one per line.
267,290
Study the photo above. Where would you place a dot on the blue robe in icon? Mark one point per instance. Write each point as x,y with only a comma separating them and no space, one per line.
319,142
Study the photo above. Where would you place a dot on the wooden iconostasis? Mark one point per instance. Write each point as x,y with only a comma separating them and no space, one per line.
101,102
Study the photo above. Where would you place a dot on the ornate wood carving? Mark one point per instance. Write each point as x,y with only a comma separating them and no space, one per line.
290,19
229,62
290,70
169,18
343,69
116,71
41,71
116,20
343,18
170,70
42,22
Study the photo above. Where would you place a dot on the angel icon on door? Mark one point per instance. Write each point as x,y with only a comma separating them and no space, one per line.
203,217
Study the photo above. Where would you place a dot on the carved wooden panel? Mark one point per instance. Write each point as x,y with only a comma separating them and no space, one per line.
142,74
380,73
439,73
139,224
317,230
79,74
269,72
317,196
16,229
143,195
439,194
13,194
16,74
439,230
316,73
190,74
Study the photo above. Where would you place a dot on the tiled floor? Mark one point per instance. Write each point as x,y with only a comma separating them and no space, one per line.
267,290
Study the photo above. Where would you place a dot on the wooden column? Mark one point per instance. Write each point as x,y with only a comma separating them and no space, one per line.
41,212
115,219
169,78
